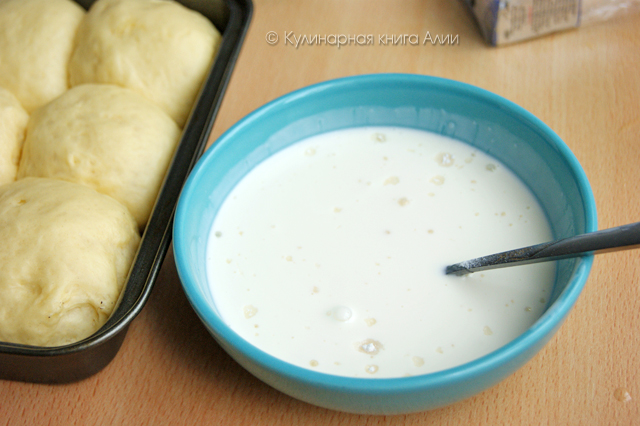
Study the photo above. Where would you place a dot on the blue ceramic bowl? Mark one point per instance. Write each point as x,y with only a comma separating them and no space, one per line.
472,115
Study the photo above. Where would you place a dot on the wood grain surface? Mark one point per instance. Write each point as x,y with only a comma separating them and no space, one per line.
585,84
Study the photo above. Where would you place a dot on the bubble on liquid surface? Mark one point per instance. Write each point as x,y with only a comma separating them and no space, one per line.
437,180
370,347
341,313
393,180
249,311
445,159
371,369
403,201
417,361
379,137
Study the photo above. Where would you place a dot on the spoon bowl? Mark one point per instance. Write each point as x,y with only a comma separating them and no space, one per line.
619,238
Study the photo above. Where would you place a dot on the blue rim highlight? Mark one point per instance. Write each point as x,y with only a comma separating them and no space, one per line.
536,336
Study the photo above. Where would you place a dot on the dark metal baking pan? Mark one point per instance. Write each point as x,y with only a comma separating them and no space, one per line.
82,359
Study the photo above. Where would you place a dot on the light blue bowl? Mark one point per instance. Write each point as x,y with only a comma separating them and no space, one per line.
472,115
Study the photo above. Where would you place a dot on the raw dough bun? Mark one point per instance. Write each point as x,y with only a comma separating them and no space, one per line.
65,254
36,40
158,48
106,137
13,121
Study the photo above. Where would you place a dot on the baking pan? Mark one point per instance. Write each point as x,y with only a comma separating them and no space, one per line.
82,359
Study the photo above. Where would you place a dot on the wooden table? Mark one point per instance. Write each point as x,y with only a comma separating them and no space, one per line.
585,84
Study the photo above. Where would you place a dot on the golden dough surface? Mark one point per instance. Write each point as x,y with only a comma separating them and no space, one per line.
65,254
13,122
106,137
158,48
36,41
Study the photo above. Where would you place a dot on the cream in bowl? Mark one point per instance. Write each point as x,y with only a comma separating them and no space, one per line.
312,237
340,266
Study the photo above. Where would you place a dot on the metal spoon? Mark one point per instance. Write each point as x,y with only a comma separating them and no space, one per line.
612,239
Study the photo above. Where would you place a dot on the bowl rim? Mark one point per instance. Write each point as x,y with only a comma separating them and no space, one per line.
551,319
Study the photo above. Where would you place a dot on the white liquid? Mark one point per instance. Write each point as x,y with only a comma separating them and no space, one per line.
330,254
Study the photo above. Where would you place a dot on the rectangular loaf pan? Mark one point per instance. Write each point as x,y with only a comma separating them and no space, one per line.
82,359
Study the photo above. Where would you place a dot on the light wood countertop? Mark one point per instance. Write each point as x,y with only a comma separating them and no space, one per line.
585,84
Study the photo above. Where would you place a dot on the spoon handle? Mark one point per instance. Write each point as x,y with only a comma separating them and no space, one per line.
612,239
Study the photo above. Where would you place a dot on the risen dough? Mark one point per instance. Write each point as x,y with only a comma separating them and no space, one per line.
13,121
36,40
158,48
106,137
65,254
